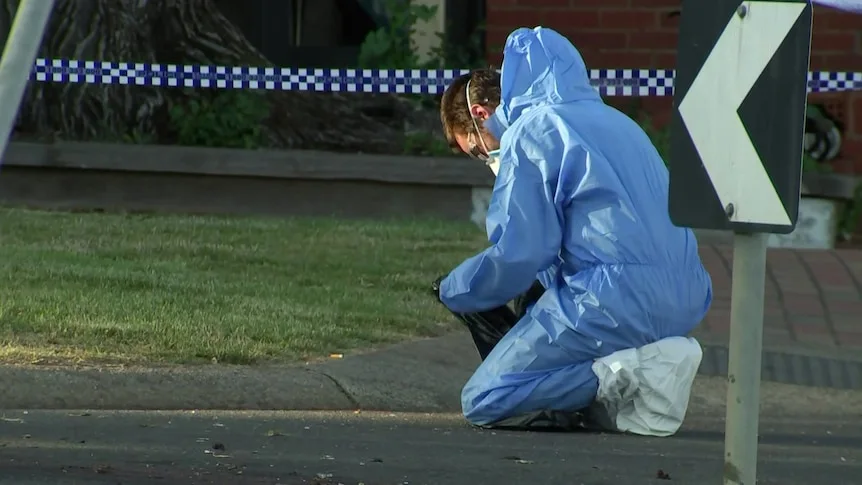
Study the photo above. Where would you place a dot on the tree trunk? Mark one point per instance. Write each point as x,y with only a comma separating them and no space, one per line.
182,32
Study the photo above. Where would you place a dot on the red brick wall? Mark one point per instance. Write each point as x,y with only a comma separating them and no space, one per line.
641,34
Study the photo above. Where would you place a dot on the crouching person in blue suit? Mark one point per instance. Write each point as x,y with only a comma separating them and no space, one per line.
605,287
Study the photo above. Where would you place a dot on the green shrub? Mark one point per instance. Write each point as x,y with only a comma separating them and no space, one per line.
660,137
228,119
426,144
393,46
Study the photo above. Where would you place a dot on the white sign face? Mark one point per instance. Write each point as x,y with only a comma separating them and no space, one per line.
709,111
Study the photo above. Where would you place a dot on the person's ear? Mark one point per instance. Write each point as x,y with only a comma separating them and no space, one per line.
480,112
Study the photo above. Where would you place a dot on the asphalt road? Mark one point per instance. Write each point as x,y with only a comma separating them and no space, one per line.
238,448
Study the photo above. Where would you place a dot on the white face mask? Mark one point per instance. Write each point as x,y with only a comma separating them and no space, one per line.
494,161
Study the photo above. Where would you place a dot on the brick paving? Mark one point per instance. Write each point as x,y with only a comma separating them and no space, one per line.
812,296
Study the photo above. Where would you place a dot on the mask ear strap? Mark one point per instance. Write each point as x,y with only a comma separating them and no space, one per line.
473,118
470,107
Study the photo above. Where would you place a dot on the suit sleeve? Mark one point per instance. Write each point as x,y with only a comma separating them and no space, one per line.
523,229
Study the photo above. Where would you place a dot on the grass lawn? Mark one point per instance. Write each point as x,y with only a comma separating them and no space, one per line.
143,288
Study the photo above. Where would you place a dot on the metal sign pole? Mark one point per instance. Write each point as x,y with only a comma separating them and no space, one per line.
739,120
746,343
19,55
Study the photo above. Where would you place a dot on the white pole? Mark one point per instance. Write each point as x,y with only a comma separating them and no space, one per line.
19,55
746,345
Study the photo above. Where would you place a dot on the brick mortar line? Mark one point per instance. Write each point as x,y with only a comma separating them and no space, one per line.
780,295
856,282
724,263
827,316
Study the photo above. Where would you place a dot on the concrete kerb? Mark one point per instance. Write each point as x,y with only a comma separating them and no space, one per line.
418,376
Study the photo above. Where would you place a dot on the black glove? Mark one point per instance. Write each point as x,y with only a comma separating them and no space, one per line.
435,287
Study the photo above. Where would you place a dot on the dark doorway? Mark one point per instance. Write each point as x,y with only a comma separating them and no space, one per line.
330,31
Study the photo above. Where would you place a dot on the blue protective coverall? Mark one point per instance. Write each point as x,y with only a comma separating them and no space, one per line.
581,203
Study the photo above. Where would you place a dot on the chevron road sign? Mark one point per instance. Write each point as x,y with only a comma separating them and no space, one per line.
736,164
740,97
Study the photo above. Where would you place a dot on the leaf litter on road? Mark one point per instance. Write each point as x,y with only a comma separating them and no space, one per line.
518,460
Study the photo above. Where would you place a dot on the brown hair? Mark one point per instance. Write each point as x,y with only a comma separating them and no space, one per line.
454,114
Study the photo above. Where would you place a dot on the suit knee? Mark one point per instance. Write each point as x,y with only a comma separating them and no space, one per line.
482,407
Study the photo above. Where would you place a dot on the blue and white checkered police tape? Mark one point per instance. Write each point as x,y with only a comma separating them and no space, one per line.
609,82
